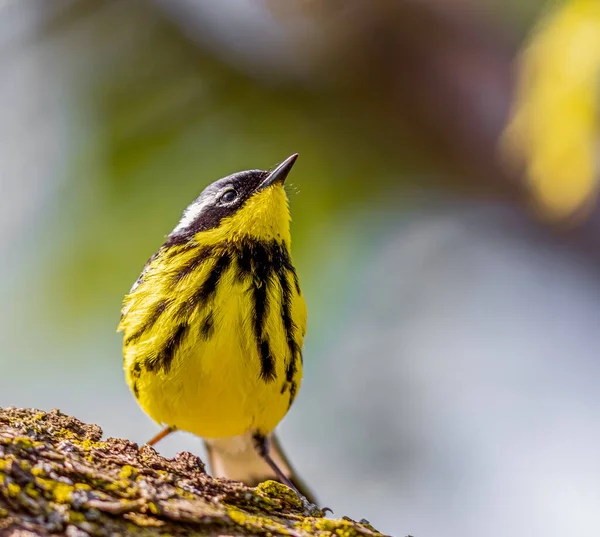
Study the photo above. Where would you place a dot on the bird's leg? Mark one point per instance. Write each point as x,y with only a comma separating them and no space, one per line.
262,446
165,432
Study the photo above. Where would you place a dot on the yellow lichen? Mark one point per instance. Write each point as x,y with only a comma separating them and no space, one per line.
274,490
85,444
13,490
37,471
3,512
252,522
271,488
126,472
240,518
46,484
184,494
270,509
62,492
341,528
138,519
31,491
88,444
24,442
121,487
75,517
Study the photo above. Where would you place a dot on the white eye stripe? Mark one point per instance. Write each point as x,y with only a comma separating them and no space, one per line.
190,214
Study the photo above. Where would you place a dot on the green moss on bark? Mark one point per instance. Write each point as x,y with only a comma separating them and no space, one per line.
57,475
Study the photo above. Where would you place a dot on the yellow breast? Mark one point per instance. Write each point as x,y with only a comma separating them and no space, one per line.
213,342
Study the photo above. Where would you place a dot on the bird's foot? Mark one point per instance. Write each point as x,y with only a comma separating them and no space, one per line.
312,510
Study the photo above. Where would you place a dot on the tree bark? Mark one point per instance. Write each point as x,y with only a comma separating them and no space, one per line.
57,476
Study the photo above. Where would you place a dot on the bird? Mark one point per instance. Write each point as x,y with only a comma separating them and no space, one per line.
214,326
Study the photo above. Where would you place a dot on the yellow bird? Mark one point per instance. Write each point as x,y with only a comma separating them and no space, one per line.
214,326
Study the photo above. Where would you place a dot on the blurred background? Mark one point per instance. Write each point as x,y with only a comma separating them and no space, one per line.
445,230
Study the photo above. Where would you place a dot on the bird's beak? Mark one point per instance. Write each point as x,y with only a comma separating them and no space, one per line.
278,175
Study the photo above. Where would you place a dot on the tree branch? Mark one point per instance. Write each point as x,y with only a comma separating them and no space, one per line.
57,475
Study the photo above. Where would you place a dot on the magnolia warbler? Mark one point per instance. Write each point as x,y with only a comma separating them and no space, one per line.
213,327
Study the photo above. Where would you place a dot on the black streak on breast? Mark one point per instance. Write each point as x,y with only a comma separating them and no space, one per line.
259,266
262,278
164,358
150,321
207,327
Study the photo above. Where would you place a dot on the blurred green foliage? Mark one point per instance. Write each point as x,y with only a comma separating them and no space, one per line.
163,119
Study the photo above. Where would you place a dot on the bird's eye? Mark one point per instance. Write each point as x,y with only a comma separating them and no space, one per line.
228,196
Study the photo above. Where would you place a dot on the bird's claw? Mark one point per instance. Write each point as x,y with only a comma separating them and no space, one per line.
313,510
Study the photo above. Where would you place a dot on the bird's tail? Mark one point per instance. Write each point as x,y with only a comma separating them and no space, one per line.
237,459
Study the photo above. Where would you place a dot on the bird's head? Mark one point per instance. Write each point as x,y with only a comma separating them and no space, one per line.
250,204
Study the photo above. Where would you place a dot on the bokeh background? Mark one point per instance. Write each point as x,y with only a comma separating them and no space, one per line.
445,231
